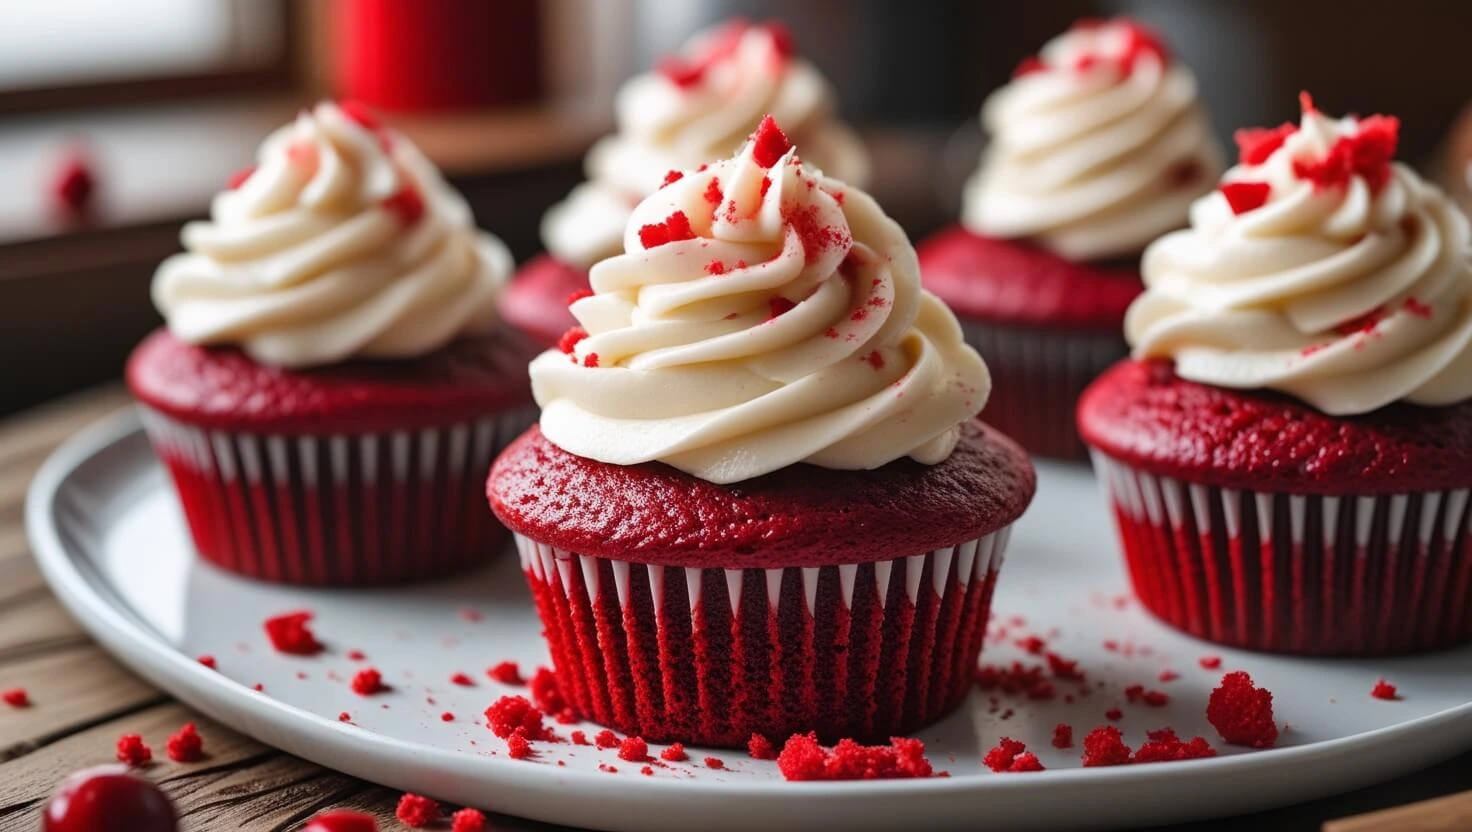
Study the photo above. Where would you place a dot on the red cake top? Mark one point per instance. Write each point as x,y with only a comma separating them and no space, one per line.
1006,281
1143,414
223,388
801,515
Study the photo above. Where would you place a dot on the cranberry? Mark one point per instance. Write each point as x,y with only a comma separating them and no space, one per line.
108,798
342,820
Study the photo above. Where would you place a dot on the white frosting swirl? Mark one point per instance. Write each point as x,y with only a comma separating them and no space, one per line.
344,243
738,73
788,326
1097,147
1349,295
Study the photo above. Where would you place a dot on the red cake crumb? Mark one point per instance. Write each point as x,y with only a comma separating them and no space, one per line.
1242,713
802,758
132,751
507,673
571,338
356,655
1164,746
1018,678
647,771
468,820
1211,662
186,746
760,748
1367,154
518,747
566,716
1169,676
462,680
208,661
606,739
1256,144
1104,746
16,698
1364,324
590,360
1063,668
875,359
672,177
714,762
447,716
1026,761
579,295
473,616
545,693
633,749
1155,698
580,738
1062,735
1114,714
816,237
1111,645
510,713
770,143
1417,308
417,811
407,205
676,227
674,753
240,177
681,73
1384,690
367,682
74,185
344,717
290,634
779,306
715,267
1000,757
713,193
1243,197
258,687
1032,644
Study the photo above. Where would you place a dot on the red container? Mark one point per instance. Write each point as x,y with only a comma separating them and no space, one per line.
417,55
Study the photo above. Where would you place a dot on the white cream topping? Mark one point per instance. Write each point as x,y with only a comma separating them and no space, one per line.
743,74
344,243
1349,295
1097,147
787,326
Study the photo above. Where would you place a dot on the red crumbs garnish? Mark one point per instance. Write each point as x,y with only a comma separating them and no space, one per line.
779,306
1164,746
240,177
447,716
675,753
1062,735
1114,714
802,758
1364,324
580,738
590,360
1417,308
760,748
207,661
16,698
769,143
672,177
510,713
356,655
290,634
1155,698
1256,144
186,746
462,680
606,739
715,267
1032,644
1000,757
1063,668
569,340
74,185
367,682
1026,761
417,811
132,751
680,72
765,186
518,747
675,227
1383,690
1104,746
1211,662
714,762
407,204
875,359
507,673
1246,196
1242,713
633,749
816,237
1169,676
468,820
713,193
344,717
579,295
1367,154
359,112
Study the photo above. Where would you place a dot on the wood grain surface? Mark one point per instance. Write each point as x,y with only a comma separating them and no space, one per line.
83,700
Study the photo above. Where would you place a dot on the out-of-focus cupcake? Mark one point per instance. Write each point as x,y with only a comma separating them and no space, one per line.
1290,452
1097,147
333,381
758,500
696,107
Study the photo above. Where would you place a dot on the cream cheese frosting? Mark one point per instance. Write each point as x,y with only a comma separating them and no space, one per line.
1097,146
698,107
344,242
1321,269
762,315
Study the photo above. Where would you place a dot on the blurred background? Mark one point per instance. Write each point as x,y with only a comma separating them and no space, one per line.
119,120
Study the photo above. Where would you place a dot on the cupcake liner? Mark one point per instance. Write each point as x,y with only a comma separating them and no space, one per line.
710,656
1295,573
337,509
1037,377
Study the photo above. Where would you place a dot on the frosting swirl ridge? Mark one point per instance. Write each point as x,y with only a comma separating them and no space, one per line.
343,242
1321,268
763,315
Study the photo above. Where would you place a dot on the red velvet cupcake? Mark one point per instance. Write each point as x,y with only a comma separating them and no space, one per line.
333,380
758,501
1289,459
694,108
1098,146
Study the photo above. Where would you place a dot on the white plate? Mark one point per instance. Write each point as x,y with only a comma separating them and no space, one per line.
109,537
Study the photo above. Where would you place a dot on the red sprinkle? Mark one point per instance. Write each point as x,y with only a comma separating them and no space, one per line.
132,751
16,698
714,762
570,339
590,360
802,758
1242,713
407,204
606,739
462,680
675,753
447,716
715,267
769,143
1256,145
344,717
1211,662
186,746
1000,757
507,673
1062,735
633,749
1104,746
676,227
1246,196
207,661
367,682
672,177
512,713
1384,690
468,820
713,193
760,748
417,811
240,177
290,634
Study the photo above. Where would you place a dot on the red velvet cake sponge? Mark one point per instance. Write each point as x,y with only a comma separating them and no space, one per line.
222,388
803,515
1147,417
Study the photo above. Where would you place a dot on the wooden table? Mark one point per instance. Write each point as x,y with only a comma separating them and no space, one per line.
83,700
